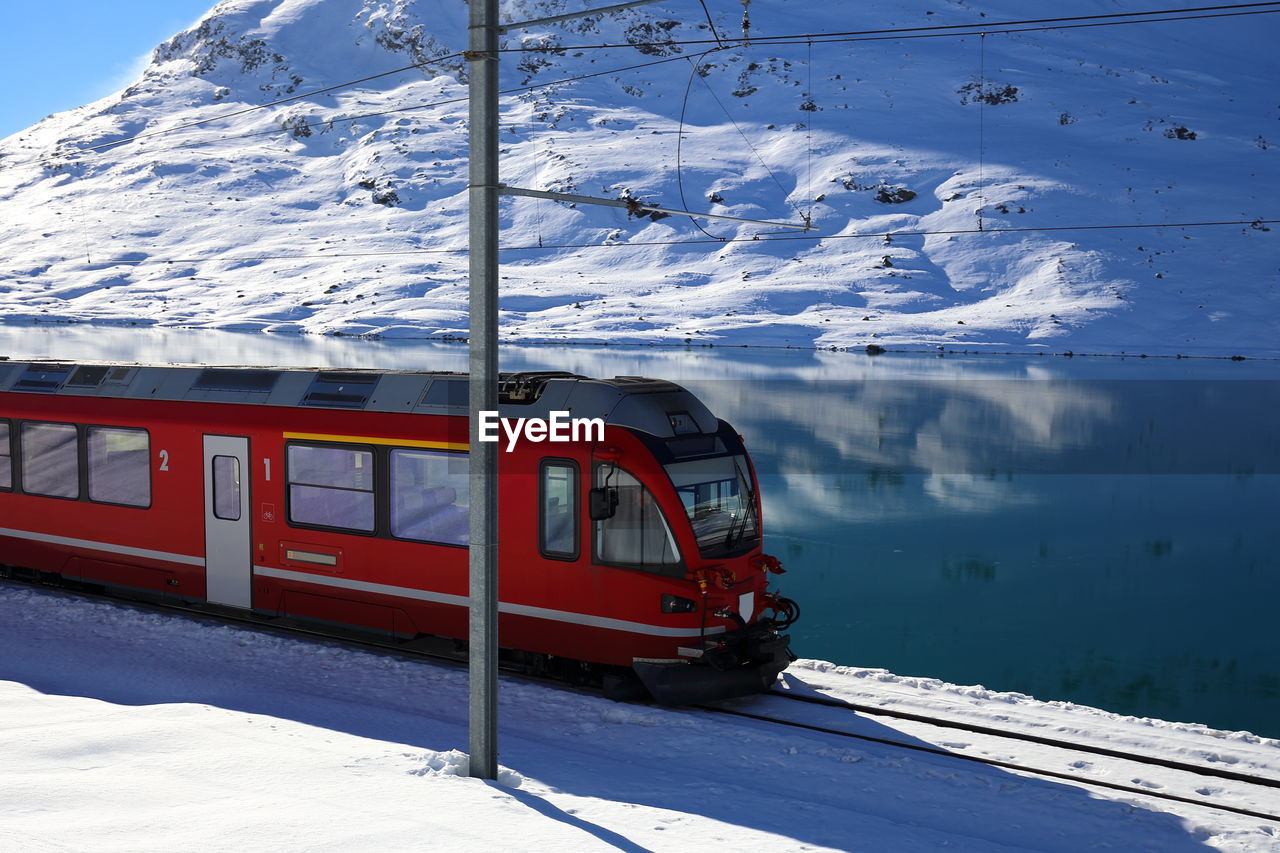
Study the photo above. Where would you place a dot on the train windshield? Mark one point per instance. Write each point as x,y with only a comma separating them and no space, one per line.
719,501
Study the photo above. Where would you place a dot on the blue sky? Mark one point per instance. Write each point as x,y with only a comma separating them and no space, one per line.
56,56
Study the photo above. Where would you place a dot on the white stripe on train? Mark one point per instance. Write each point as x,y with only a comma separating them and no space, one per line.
377,588
503,606
89,544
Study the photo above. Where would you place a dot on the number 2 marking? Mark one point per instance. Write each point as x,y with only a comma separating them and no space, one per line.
164,460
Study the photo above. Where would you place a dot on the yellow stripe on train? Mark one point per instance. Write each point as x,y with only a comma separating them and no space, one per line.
364,439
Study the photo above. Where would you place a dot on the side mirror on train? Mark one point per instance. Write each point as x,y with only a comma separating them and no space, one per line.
603,502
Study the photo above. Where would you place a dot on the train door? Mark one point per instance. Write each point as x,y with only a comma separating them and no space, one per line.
227,554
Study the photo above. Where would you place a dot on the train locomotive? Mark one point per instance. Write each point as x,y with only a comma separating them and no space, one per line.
629,551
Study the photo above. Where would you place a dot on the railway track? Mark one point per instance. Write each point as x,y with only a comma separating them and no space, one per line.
844,711
832,726
213,614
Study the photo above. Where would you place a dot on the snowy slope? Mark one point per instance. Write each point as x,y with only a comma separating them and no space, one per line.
1128,125
164,734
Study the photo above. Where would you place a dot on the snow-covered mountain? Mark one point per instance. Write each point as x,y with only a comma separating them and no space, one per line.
345,212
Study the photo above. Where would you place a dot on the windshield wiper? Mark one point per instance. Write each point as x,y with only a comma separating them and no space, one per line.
732,537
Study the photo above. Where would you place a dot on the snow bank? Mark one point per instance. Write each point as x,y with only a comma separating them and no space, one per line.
125,730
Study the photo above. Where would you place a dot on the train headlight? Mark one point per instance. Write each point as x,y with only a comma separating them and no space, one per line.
676,604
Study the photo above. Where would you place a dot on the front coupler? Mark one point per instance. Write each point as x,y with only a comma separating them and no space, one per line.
735,663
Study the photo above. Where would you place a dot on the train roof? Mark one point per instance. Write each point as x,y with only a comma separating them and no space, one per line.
650,405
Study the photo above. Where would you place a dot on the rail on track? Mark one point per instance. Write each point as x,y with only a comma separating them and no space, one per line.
1009,765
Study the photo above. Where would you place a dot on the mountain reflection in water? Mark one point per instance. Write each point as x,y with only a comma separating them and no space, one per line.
1094,530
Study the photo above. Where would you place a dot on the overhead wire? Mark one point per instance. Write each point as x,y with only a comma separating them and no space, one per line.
710,23
461,99
948,30
1067,22
952,30
878,235
345,85
919,32
808,136
694,71
939,233
747,140
982,139
976,29
684,105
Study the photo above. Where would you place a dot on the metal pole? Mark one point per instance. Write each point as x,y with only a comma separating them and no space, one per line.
642,208
482,66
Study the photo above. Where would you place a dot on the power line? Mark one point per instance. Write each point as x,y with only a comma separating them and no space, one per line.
968,30
945,29
324,91
982,139
808,133
695,63
1032,29
880,235
710,23
684,105
343,119
951,30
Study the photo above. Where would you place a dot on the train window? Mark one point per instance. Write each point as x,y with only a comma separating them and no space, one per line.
226,488
50,460
331,486
6,462
558,501
119,466
429,496
637,534
719,501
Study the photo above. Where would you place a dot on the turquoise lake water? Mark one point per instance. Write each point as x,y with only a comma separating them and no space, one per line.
1097,530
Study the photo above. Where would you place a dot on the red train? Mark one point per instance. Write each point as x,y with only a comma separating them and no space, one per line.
340,497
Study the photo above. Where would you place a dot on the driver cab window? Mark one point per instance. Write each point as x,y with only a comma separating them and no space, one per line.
636,534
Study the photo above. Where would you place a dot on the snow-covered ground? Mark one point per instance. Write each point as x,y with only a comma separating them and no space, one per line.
126,731
345,212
